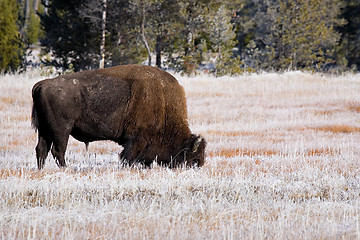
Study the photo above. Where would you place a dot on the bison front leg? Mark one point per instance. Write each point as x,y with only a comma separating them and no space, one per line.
133,151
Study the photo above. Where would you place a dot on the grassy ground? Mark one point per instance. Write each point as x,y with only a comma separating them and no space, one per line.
283,162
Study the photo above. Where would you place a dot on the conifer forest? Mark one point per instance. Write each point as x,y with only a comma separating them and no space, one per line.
219,37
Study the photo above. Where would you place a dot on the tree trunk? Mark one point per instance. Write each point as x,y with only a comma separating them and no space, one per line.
190,43
103,35
158,51
143,35
35,5
27,13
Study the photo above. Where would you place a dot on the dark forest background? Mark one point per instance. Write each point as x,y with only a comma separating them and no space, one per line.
188,36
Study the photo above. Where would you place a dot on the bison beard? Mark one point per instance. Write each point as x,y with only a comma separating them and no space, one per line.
141,108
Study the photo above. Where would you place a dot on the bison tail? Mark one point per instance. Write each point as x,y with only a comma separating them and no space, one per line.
34,114
34,119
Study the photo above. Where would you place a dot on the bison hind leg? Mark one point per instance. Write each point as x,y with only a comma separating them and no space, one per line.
42,150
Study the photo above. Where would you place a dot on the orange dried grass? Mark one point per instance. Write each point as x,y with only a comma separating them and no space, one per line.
90,173
27,174
338,129
7,100
327,112
322,152
228,153
208,94
230,133
330,128
354,108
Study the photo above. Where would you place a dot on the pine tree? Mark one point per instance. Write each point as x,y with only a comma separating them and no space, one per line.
349,47
126,45
188,40
12,50
254,25
223,41
140,9
33,30
94,12
290,34
305,36
68,37
165,13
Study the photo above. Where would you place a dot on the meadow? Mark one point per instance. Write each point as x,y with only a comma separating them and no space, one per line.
283,162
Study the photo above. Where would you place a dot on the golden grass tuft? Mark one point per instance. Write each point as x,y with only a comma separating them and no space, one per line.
7,100
229,133
209,94
322,152
338,129
27,174
230,152
328,112
355,108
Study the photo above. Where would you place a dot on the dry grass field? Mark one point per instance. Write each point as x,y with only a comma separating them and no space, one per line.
283,162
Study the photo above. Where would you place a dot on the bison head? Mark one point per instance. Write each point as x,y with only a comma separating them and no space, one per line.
192,154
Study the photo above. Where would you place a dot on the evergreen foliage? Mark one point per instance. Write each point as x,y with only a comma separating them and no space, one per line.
305,36
291,34
33,30
12,51
223,37
68,37
124,45
349,48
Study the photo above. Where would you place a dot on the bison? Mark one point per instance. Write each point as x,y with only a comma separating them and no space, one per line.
141,108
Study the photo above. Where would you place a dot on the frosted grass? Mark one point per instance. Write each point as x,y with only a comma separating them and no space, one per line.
283,163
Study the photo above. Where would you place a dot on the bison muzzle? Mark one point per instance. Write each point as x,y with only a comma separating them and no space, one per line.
141,108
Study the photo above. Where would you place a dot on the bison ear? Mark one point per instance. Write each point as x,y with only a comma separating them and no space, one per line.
196,144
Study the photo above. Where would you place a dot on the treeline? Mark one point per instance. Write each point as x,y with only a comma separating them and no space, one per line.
19,27
221,37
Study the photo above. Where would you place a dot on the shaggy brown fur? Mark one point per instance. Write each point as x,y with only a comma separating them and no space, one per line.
142,108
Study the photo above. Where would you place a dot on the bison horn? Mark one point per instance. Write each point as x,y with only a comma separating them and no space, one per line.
196,144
